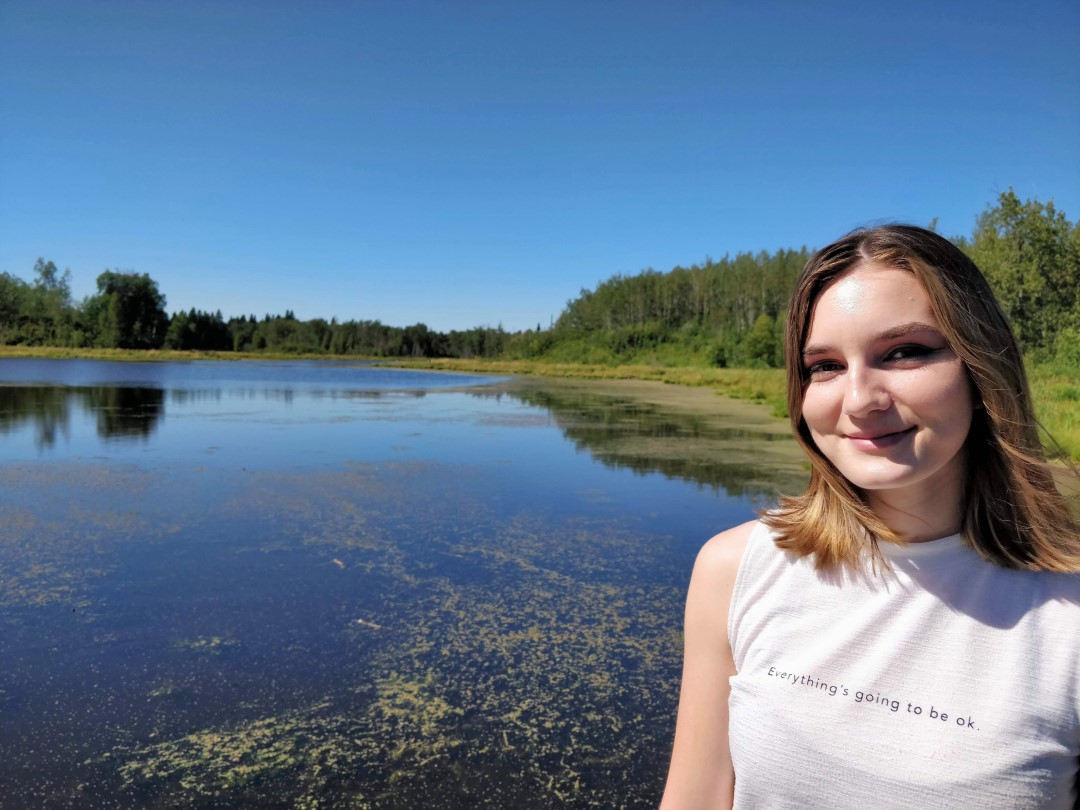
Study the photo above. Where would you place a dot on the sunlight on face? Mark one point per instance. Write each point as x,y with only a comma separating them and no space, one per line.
887,401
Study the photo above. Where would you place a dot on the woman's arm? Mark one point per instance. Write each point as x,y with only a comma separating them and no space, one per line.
701,775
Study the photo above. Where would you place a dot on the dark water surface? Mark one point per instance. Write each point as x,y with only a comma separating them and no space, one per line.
335,585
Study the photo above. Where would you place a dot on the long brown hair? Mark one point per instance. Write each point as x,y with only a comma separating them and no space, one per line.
1013,515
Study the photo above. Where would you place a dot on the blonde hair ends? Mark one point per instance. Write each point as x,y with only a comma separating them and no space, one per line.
1013,515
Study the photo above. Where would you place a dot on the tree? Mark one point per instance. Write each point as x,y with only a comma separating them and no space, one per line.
198,330
1030,254
49,280
243,331
13,304
177,335
50,303
129,311
759,345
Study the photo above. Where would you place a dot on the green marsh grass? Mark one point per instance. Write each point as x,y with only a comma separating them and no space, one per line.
1056,391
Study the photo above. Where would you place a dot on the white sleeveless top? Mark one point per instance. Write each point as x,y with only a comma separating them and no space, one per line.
949,682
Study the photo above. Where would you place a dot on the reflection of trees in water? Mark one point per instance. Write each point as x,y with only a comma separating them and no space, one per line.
285,395
120,412
125,412
48,408
626,433
185,396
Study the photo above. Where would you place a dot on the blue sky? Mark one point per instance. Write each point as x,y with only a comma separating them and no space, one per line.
469,163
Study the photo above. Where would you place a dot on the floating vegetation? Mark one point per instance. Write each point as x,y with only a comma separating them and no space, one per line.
208,645
167,689
540,667
417,711
215,764
52,549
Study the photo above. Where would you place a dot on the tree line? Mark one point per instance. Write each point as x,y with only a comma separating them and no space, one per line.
731,311
725,312
128,312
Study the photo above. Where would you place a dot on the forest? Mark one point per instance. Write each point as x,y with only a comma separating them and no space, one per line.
718,313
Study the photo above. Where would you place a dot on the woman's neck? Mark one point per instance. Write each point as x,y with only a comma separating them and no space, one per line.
918,516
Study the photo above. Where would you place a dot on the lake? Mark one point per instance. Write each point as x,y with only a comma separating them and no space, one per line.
317,584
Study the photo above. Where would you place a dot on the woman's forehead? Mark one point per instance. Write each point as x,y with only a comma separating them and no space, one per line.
872,295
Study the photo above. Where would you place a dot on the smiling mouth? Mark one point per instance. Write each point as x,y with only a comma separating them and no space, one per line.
881,440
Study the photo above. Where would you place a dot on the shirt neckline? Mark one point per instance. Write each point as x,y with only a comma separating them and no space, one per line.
923,550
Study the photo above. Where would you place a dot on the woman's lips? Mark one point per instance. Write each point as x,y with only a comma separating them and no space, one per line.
880,441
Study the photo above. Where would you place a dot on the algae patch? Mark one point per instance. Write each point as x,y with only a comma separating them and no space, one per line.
515,661
206,645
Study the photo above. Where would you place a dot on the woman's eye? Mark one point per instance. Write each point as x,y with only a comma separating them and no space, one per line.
905,352
822,368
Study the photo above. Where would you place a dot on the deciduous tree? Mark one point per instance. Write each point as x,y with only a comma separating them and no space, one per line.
129,311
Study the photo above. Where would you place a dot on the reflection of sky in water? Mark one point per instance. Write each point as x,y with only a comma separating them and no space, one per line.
204,374
268,429
246,414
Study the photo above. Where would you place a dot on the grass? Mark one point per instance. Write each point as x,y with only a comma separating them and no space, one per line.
1056,391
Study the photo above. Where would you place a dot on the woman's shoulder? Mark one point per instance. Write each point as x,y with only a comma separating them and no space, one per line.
720,557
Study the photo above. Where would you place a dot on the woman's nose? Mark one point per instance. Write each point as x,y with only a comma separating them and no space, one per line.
866,392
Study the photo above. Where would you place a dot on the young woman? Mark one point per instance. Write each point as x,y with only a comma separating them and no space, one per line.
905,633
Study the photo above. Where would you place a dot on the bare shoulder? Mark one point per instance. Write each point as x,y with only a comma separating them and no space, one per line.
701,773
713,580
720,557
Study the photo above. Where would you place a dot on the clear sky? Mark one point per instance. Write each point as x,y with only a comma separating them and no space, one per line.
470,163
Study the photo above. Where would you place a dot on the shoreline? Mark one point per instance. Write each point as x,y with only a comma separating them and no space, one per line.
760,387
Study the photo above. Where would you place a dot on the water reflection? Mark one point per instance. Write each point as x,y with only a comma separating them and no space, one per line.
625,432
135,412
120,413
619,431
125,412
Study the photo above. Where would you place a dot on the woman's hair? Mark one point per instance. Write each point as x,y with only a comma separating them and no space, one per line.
1012,513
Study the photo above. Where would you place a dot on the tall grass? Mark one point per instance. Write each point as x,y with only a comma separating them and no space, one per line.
1055,388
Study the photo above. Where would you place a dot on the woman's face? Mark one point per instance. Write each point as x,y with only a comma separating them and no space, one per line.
886,400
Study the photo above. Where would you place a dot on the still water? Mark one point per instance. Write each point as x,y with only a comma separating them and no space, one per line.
337,585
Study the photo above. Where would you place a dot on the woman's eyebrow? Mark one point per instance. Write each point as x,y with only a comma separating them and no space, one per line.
906,329
895,332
